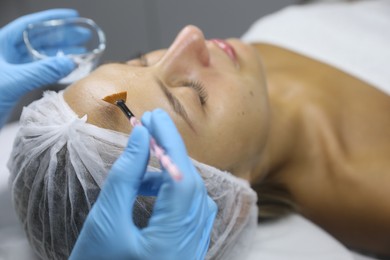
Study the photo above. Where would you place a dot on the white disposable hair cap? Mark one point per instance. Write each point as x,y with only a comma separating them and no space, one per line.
59,163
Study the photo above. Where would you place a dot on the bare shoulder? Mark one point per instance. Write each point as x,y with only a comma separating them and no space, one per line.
340,178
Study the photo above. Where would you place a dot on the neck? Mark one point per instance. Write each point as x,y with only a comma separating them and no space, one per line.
285,95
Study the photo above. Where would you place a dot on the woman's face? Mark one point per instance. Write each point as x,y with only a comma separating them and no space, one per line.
214,91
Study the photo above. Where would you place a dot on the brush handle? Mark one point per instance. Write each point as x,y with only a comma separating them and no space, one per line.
160,154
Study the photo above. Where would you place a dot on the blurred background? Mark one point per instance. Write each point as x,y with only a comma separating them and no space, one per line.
131,27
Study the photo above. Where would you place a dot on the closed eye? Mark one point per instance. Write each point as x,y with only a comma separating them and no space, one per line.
142,59
200,90
139,58
196,85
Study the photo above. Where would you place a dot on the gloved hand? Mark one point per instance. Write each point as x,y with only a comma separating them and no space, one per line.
18,73
183,215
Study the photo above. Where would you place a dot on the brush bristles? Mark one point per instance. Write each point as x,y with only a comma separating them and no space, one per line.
112,99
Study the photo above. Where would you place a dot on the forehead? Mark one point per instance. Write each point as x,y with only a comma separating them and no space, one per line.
85,96
139,83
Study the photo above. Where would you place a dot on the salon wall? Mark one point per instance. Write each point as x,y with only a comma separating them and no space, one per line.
143,25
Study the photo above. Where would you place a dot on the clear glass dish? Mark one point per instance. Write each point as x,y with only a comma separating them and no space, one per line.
81,39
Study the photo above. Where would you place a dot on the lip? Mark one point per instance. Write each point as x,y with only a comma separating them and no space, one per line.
227,48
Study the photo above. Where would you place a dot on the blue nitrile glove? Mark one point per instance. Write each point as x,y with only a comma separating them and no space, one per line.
18,73
183,215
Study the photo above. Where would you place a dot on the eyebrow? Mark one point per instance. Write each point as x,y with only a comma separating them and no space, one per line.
175,103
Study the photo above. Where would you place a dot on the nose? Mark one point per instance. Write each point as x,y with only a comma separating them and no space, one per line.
188,51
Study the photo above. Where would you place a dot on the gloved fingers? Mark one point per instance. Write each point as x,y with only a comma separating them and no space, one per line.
146,119
109,231
125,177
21,57
211,213
151,184
162,128
200,223
171,217
207,228
183,205
175,199
211,205
43,72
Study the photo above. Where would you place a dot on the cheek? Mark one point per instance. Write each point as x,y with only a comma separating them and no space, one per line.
253,118
235,127
230,140
229,148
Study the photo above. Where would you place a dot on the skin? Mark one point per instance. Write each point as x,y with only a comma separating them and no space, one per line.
272,114
236,95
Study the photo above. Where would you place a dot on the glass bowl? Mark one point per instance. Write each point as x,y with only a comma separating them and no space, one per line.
80,39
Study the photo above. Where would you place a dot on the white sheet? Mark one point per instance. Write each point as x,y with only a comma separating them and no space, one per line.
293,238
296,238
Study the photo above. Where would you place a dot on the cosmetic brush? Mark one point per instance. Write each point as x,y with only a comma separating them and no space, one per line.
119,99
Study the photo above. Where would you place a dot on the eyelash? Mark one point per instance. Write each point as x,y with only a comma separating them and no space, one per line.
199,88
196,85
142,59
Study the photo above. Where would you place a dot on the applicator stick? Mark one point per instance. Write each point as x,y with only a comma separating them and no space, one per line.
119,99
